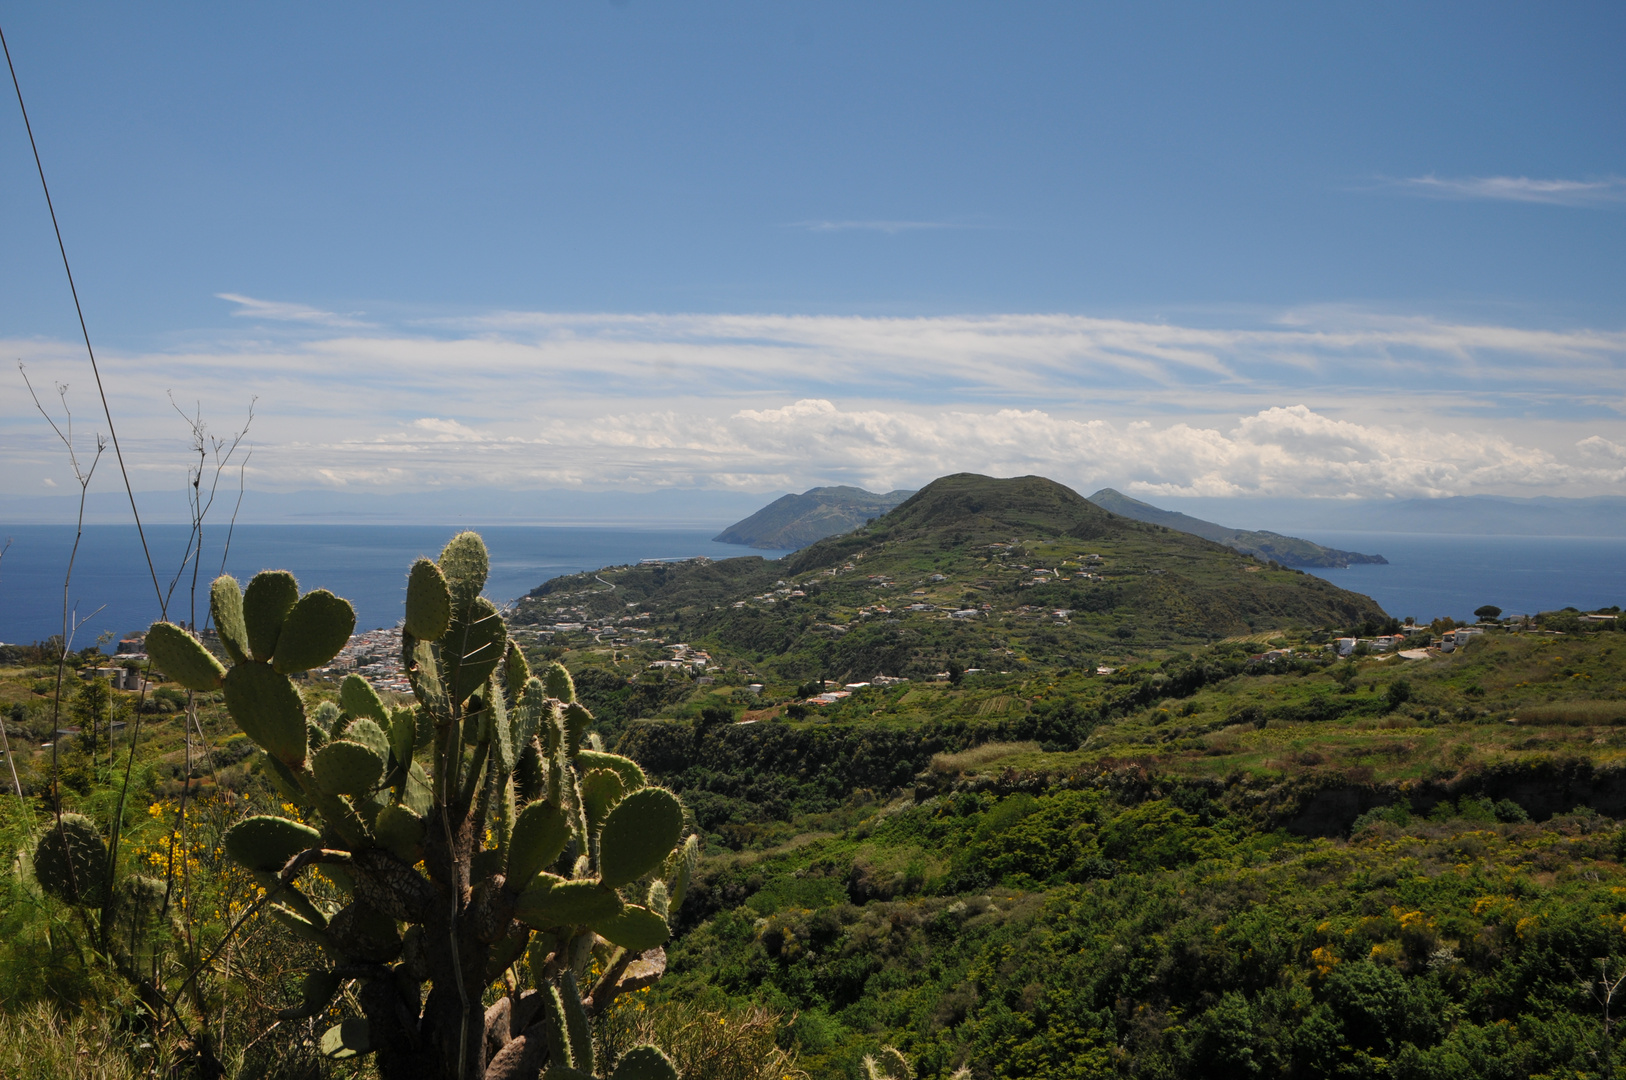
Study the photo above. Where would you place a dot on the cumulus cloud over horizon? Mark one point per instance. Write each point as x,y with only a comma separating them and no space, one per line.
1329,402
1282,450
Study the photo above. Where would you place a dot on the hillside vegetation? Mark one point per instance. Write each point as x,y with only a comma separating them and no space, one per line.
1022,788
1132,843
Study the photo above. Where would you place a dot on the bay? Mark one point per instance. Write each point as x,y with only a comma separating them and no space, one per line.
365,564
1434,575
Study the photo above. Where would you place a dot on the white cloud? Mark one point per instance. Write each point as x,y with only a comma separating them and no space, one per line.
1597,448
1316,401
1520,189
1281,451
891,228
250,308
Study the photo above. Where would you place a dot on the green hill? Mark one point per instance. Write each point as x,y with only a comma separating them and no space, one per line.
795,521
998,574
1288,550
1135,842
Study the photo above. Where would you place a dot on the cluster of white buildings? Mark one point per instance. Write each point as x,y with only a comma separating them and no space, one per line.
1450,641
782,590
830,697
684,658
375,655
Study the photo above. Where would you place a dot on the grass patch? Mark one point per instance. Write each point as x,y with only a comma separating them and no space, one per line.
978,756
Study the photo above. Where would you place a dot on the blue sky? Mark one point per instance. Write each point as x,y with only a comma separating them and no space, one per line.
1273,249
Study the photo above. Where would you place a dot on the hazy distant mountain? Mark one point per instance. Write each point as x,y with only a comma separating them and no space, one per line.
796,521
1287,550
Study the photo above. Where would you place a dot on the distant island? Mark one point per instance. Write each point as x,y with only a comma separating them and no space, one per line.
1287,550
795,521
792,522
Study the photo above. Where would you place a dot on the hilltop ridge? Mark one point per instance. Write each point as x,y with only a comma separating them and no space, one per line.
1287,550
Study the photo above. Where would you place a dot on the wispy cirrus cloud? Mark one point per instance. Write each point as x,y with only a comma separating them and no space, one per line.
890,228
1608,191
249,307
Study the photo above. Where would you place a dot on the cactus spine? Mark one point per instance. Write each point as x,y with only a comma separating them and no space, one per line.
584,861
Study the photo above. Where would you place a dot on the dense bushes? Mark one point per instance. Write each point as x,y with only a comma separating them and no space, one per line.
1067,935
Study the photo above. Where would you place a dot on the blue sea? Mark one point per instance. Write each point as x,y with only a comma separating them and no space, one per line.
1427,576
365,564
1430,575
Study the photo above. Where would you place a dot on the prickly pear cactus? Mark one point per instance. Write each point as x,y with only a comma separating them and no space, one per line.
890,1064
478,837
70,862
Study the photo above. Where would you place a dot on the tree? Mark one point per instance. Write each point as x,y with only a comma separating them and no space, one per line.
92,708
487,822
1488,613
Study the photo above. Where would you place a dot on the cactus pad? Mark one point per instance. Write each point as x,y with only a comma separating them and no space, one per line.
268,709
465,563
516,671
632,777
680,869
400,832
136,923
660,899
365,933
327,718
555,1034
577,720
635,929
342,818
266,842
556,677
639,834
428,601
369,735
498,726
576,1026
644,1063
347,1038
183,658
343,767
299,925
540,834
286,783
70,861
551,901
315,992
316,628
403,731
266,601
226,606
473,647
416,793
358,698
601,789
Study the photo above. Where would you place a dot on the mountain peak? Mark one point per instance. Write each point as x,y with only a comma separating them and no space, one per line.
969,500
